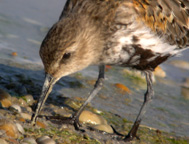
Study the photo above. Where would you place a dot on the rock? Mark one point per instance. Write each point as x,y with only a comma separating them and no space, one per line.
9,127
29,109
108,67
3,112
97,111
2,141
159,72
105,128
5,99
20,128
22,102
45,140
122,88
12,141
40,124
28,141
15,100
14,54
16,107
91,118
25,116
29,99
21,119
62,111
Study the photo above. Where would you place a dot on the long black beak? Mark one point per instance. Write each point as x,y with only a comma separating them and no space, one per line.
47,88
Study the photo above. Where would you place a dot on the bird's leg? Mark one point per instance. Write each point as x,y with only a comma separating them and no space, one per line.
147,98
97,87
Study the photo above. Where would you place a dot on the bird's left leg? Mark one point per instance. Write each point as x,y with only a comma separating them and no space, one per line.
147,98
75,118
97,88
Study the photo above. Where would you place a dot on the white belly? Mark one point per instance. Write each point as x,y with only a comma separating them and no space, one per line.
121,46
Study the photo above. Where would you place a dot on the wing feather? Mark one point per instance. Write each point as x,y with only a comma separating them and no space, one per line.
167,17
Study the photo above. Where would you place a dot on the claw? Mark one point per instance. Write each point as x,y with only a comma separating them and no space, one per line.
67,120
133,132
130,137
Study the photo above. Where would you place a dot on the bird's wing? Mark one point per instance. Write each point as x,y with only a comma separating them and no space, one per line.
68,6
169,18
89,6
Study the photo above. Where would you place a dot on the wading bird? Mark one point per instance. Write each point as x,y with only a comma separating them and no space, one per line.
140,34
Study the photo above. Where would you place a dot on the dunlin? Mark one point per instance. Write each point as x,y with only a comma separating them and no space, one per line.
140,34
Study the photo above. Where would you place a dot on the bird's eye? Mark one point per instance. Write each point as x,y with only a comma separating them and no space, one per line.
66,56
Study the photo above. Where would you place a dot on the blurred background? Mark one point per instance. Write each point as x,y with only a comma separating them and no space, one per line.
24,24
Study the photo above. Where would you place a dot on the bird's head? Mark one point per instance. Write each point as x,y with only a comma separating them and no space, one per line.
70,46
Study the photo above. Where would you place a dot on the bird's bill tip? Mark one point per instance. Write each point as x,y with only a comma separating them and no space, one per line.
47,88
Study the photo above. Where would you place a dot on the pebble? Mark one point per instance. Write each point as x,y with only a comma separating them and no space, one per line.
21,119
123,89
28,141
12,141
14,54
25,116
22,102
73,104
91,118
29,109
105,128
40,124
2,141
20,128
62,111
17,107
9,127
45,140
97,111
3,112
29,99
159,72
108,67
14,100
5,99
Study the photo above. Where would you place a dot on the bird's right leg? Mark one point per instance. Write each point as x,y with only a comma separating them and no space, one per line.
147,98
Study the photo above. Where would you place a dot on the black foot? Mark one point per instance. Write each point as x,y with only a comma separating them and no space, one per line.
130,138
133,132
66,120
117,133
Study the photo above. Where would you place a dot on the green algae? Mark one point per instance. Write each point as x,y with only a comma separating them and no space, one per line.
60,136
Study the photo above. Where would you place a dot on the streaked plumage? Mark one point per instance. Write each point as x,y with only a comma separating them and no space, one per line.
140,34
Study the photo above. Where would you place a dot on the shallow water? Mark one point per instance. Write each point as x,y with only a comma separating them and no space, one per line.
23,25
